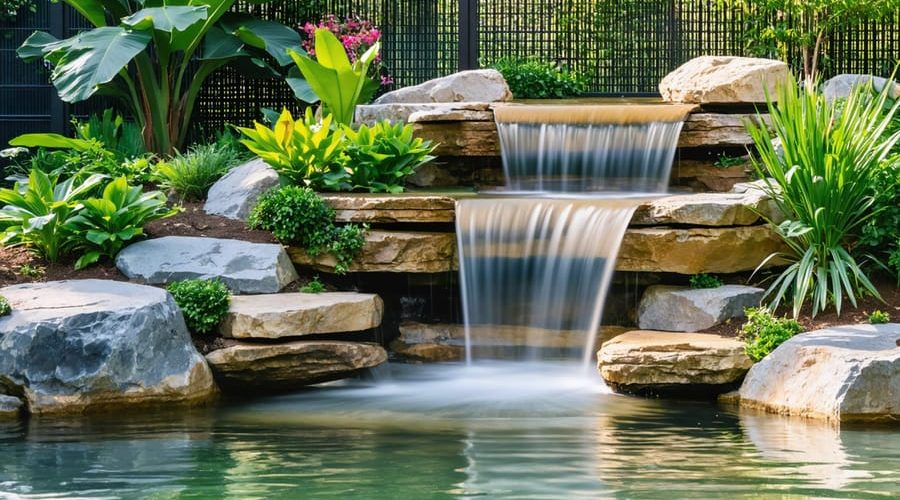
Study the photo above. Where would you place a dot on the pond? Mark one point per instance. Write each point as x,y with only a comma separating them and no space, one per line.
493,430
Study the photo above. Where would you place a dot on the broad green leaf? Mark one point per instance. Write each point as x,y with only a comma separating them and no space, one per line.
49,140
92,10
94,58
302,89
36,46
329,51
191,38
221,45
168,18
275,38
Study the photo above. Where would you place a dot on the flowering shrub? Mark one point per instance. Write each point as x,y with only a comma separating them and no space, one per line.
356,35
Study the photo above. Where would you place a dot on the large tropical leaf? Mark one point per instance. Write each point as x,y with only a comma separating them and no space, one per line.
270,36
92,10
168,18
48,140
36,46
221,45
302,89
93,58
190,39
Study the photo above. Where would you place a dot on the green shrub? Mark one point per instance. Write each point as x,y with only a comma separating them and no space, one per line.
5,308
894,259
297,216
879,317
823,182
35,214
530,78
111,130
382,156
304,152
725,161
705,281
314,286
104,225
204,303
190,175
762,332
87,158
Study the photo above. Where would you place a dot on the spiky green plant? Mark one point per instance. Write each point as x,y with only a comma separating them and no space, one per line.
823,183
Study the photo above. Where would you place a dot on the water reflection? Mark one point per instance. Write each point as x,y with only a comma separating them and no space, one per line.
443,437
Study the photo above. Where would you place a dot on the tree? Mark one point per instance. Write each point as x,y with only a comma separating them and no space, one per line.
776,25
156,56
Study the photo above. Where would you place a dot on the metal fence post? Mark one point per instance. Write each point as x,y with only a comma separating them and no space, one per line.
468,34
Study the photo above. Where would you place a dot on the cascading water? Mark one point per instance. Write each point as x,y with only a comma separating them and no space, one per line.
537,258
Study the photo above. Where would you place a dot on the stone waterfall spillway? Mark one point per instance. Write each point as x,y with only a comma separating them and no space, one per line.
537,257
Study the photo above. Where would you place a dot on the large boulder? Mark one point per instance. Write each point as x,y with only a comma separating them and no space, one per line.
654,363
257,368
841,374
841,86
682,309
72,346
480,85
723,80
421,112
297,314
234,195
243,266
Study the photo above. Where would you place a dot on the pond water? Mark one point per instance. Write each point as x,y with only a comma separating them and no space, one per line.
492,431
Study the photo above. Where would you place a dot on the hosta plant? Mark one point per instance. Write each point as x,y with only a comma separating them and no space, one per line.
302,151
104,225
823,183
35,214
155,57
382,156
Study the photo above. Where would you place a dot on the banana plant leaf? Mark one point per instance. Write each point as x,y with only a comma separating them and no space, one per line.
169,19
270,36
49,140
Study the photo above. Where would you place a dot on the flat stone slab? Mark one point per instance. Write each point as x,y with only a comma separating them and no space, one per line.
244,267
234,195
284,315
404,207
705,176
841,374
255,368
424,112
682,309
652,249
479,85
84,345
707,209
11,407
716,130
649,362
723,80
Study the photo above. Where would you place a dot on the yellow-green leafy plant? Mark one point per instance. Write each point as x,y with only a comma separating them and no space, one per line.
5,308
304,152
337,82
382,156
879,317
823,182
763,332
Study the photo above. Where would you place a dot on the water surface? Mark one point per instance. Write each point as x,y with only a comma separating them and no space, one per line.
492,431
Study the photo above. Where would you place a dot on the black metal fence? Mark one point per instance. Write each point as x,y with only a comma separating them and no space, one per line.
624,46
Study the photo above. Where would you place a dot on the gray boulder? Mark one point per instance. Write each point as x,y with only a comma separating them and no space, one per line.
842,85
10,407
73,346
481,85
681,309
841,374
235,194
245,267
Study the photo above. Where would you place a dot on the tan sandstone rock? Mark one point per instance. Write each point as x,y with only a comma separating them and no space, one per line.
281,315
275,367
381,208
706,209
717,130
656,362
481,85
841,374
425,112
393,251
723,79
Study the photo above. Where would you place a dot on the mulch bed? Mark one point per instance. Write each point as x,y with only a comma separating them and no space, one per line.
193,221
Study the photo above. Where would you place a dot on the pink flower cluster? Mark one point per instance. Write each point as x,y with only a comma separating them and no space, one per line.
356,35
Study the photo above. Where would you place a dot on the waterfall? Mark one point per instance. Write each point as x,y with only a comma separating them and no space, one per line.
537,257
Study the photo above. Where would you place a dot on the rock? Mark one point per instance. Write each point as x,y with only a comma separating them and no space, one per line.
705,176
841,86
706,130
277,367
428,353
465,139
245,267
11,407
707,209
698,250
481,85
393,252
723,79
648,362
381,208
425,112
234,195
296,314
840,374
74,346
681,309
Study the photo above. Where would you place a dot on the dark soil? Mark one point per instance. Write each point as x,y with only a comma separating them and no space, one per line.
889,291
193,221
18,265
